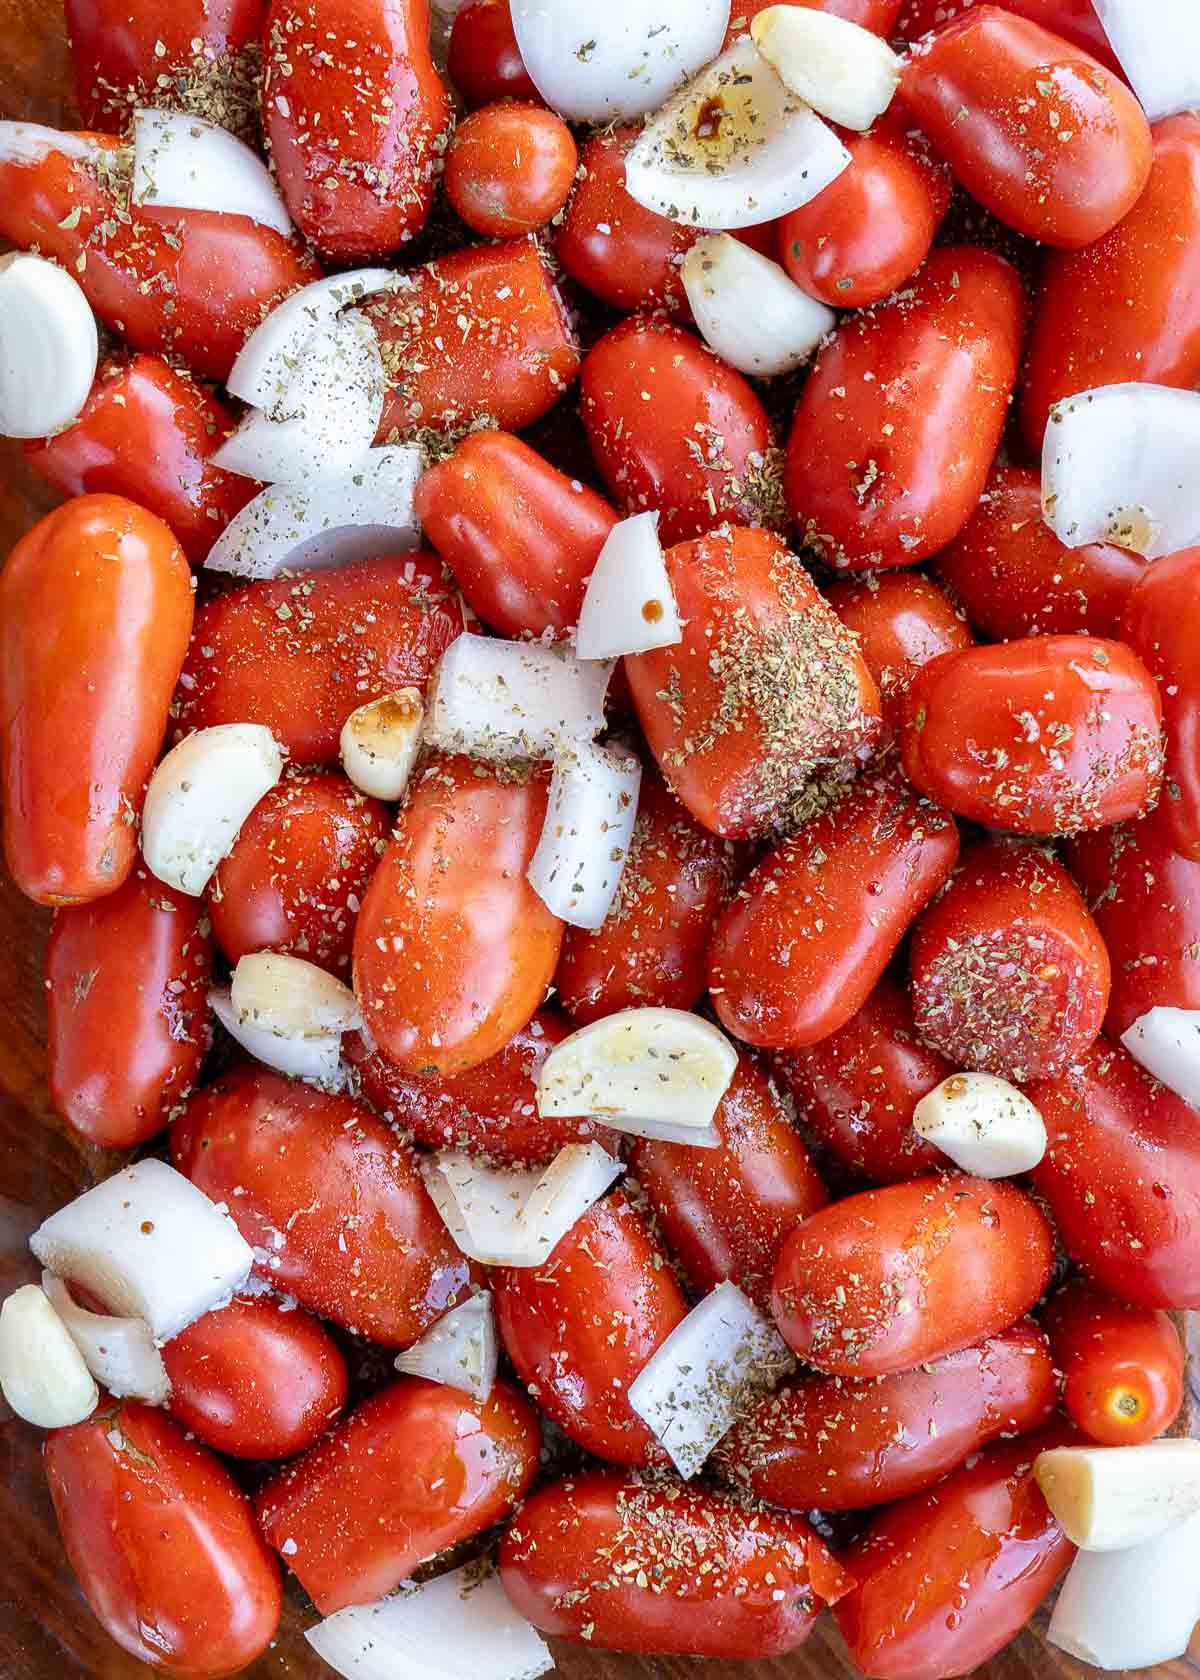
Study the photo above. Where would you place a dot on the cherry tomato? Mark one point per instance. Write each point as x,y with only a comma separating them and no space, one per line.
495,498
841,1445
1161,621
330,1194
1014,578
509,168
876,15
454,950
870,230
946,1578
901,416
673,427
803,944
95,614
902,621
1123,1365
413,1470
301,862
1037,131
485,62
162,1542
1074,20
254,1380
580,1327
1048,735
631,1565
888,1279
1009,972
299,654
765,693
857,1089
127,980
1121,1178
725,1212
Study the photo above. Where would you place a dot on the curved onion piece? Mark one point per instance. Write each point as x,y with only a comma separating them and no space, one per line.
1109,1498
42,1373
509,1216
200,795
183,162
380,741
22,142
460,1350
748,309
629,605
317,1060
1119,466
1167,1044
1135,1608
275,349
48,346
119,1352
1159,50
985,1125
501,700
843,71
580,856
291,998
734,148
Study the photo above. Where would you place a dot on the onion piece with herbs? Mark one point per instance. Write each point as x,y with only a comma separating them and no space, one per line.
748,309
460,1350
380,742
499,700
580,856
513,1216
629,605
1109,1498
316,1059
843,71
1167,1044
1135,1608
200,795
1158,47
184,162
269,358
27,143
985,1125
119,1352
42,1373
48,346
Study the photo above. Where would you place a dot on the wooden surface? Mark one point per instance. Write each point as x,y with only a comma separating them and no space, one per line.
46,1630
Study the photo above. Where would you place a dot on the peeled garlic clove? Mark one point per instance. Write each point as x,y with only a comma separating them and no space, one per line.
48,346
748,310
380,743
199,797
318,1060
1108,1498
291,998
839,68
984,1124
42,1373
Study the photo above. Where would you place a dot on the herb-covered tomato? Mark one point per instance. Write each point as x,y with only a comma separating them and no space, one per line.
1074,20
902,621
509,168
1122,1365
485,62
878,16
1161,623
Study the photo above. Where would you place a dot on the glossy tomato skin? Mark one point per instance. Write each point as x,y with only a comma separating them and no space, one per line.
765,694
332,1196
254,1380
1048,735
1126,307
614,1561
841,1445
1121,1177
1161,622
304,854
876,15
900,419
127,982
1074,20
299,654
416,1468
1062,166
1013,577
889,1279
509,168
902,621
162,1542
580,1328
495,498
946,1578
95,614
485,62
1009,972
1122,1365
726,1212
857,1089
813,927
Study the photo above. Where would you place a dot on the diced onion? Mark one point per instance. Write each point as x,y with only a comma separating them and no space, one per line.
268,360
1158,47
763,153
985,1125
509,1216
380,743
460,1350
843,71
148,1244
501,700
1119,466
119,1352
1131,1609
184,162
317,1059
629,605
30,143
1109,1498
48,346
1167,1044
290,997
42,1373
747,308
580,856
200,795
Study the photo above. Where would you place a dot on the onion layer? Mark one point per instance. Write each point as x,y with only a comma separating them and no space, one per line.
1167,1044
275,349
317,1059
577,866
509,1216
119,1352
461,1350
629,605
184,162
1158,47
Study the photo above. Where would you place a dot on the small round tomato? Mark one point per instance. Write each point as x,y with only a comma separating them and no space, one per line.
1161,622
1048,735
1122,1365
485,62
255,1380
509,168
416,1468
163,1542
801,947
876,15
580,1327
901,416
888,1279
1074,20
840,1445
902,621
331,1196
1009,972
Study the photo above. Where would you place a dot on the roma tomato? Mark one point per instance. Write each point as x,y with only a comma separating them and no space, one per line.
1074,20
1048,735
1122,1365
673,427
876,15
888,1279
454,950
163,1542
1037,131
1009,972
725,1212
509,169
857,1089
494,498
330,1194
95,614
631,1565
801,947
127,982
1014,578
902,621
841,1445
1161,622
413,1470
254,1380
1121,1178
765,694
299,654
485,62
901,416
301,862
581,1327
946,1578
